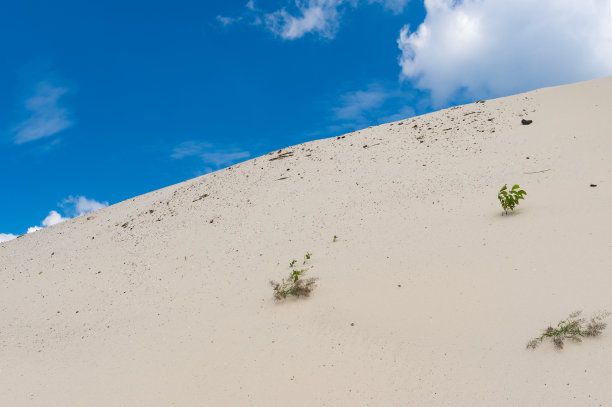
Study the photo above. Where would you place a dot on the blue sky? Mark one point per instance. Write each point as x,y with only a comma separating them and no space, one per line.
103,101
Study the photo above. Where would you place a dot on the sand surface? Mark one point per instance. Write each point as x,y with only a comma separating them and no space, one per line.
427,298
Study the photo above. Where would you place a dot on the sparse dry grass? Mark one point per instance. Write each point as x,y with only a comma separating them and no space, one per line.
574,328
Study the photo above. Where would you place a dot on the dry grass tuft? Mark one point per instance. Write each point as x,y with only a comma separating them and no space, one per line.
573,328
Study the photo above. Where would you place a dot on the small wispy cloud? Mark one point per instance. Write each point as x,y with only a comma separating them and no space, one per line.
316,16
80,205
302,17
396,6
213,158
373,105
225,21
250,15
403,113
354,104
46,116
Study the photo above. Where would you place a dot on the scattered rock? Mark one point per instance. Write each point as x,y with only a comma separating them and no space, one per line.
593,185
525,122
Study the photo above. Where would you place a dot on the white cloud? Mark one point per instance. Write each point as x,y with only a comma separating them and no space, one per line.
46,117
376,104
397,6
5,237
486,48
53,219
80,205
75,206
189,148
251,15
356,103
208,154
301,17
225,21
403,113
315,16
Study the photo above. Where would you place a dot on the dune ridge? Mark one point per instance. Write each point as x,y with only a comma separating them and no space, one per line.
428,296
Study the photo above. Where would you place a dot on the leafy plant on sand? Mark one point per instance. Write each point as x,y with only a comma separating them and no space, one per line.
573,328
335,238
510,198
293,285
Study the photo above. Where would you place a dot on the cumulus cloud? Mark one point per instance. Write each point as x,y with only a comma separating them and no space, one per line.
211,156
45,115
73,206
5,237
486,48
53,219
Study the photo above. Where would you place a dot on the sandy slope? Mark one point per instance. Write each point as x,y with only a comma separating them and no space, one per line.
427,298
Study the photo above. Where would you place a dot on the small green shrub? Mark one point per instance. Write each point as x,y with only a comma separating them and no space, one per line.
573,328
335,238
293,285
510,198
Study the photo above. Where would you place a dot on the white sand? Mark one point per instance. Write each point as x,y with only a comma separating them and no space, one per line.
147,303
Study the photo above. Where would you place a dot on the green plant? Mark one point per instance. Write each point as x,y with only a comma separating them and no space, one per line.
510,198
307,257
293,285
573,328
335,238
292,263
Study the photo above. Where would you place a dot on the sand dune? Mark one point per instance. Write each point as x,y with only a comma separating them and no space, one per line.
427,298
